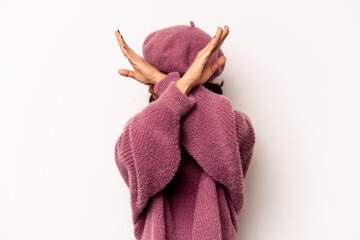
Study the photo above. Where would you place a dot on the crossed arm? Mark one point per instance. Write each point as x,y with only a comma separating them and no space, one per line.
198,73
148,152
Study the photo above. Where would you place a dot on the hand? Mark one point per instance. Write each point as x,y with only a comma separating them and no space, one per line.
200,70
143,72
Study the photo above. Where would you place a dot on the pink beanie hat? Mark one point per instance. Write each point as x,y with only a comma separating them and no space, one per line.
173,49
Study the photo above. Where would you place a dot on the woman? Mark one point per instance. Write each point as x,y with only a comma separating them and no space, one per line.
184,157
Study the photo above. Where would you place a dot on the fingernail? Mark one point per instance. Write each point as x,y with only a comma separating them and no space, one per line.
118,31
225,26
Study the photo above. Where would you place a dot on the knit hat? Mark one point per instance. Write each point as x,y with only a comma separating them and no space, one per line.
173,49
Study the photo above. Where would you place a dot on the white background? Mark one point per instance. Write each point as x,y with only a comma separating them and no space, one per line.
292,66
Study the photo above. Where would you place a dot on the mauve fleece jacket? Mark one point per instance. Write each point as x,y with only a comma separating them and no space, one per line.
184,159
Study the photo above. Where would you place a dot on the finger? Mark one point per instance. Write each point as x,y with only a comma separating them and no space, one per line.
121,43
217,41
225,33
212,44
126,73
127,51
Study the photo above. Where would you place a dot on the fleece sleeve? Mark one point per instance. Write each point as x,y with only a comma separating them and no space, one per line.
245,137
148,151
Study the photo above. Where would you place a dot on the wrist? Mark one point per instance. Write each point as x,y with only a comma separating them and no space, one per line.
161,85
184,86
159,77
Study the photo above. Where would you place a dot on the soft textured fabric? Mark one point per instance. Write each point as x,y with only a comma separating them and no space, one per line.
174,48
184,159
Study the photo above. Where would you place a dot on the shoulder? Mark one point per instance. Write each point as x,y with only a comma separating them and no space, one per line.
243,121
241,116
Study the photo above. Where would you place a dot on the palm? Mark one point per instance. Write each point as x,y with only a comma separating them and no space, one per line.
143,71
200,70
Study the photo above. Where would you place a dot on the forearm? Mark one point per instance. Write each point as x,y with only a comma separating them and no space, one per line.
246,138
148,151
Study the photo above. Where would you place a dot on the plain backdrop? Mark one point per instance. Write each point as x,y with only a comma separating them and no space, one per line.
292,67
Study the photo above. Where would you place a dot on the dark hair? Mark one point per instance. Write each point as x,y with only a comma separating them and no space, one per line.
214,87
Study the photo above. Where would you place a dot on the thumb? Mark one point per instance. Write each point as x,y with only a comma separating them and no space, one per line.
126,73
218,63
210,69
